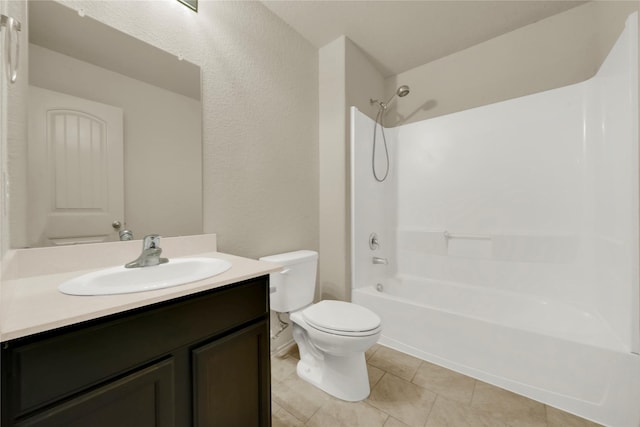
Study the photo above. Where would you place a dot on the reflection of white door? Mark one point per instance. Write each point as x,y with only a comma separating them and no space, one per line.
76,185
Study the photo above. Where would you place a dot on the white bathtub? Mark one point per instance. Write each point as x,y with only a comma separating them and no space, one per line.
547,350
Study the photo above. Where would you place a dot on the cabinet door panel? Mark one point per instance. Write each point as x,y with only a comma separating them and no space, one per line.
142,399
231,380
51,368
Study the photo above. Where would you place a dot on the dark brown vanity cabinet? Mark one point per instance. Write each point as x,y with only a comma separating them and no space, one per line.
201,360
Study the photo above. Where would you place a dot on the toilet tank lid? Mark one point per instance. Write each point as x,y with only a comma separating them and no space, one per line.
291,257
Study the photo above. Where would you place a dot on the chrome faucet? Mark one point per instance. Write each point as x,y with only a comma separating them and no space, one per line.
150,255
125,235
378,260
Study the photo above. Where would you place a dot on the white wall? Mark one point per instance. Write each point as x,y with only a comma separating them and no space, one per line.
511,172
612,191
373,203
162,141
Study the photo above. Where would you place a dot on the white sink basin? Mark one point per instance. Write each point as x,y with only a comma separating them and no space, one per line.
120,280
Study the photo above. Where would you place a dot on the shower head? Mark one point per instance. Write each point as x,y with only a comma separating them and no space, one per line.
402,91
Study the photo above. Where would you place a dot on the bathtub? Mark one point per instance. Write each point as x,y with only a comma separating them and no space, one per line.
550,351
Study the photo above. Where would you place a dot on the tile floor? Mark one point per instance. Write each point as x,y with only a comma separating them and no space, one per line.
406,391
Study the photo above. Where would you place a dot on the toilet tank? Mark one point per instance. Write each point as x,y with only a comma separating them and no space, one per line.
293,287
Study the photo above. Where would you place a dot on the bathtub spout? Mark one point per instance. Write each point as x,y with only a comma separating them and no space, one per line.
378,260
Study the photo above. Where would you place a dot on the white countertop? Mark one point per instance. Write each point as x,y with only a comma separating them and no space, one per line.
33,304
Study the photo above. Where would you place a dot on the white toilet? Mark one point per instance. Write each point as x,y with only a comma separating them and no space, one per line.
332,336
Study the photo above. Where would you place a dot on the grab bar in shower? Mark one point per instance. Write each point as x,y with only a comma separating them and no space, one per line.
449,236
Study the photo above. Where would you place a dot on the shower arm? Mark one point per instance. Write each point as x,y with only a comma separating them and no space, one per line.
402,91
383,105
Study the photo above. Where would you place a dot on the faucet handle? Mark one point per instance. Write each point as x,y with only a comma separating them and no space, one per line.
152,241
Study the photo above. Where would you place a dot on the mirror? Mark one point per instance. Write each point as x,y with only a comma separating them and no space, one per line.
81,183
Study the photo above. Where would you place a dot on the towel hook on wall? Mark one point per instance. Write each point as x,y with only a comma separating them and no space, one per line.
11,62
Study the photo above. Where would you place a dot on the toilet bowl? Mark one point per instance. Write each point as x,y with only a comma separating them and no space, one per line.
332,336
333,359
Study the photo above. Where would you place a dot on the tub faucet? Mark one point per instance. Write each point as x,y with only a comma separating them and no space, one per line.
378,260
150,255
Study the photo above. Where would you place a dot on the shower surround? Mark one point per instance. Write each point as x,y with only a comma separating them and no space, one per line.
511,232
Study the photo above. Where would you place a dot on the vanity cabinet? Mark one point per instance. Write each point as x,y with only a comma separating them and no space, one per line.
201,360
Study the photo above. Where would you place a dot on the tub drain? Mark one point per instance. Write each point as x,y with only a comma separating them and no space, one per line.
379,287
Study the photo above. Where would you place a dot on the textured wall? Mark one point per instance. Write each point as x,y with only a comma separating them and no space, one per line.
260,129
261,164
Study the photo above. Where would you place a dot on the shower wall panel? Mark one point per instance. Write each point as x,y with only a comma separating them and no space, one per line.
611,182
373,204
493,196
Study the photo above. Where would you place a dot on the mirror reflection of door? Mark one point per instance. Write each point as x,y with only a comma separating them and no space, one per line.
75,169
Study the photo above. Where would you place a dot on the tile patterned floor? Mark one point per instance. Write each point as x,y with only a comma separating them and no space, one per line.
406,391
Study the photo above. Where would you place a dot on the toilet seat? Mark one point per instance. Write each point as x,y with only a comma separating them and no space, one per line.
341,318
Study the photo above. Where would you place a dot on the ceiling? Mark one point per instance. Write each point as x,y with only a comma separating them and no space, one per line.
399,35
56,27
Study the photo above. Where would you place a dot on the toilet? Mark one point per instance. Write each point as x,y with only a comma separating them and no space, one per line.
332,336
